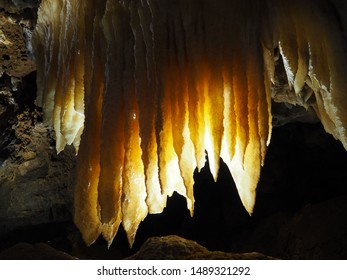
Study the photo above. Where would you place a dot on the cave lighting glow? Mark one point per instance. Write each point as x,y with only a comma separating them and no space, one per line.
142,89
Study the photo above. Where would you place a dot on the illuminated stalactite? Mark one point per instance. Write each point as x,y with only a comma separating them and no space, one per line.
143,88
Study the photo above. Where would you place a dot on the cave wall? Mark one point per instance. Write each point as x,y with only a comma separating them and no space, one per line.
35,183
301,199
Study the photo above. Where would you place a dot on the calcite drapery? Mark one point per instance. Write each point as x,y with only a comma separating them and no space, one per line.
151,85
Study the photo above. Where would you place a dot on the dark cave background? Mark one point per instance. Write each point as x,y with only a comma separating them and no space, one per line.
301,205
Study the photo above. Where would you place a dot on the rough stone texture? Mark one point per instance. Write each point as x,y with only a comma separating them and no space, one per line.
19,6
15,46
173,247
8,106
35,183
40,251
287,106
301,198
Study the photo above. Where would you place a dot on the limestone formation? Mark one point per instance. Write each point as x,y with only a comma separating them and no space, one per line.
143,89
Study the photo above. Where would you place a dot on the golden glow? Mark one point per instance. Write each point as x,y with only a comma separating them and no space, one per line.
152,85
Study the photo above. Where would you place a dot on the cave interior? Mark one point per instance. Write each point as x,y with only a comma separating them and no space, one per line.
301,197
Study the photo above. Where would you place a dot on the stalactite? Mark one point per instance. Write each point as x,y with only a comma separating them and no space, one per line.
143,89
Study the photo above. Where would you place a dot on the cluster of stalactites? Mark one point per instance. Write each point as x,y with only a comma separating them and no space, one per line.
59,45
154,85
312,45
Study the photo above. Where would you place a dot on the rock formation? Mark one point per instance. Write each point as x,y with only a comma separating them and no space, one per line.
301,186
143,90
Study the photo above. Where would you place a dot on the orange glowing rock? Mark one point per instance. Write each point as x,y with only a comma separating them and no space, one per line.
143,88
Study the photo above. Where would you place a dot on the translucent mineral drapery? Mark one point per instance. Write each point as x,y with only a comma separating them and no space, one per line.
144,89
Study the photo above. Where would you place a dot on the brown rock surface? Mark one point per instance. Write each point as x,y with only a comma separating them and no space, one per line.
40,251
15,49
173,247
35,183
18,6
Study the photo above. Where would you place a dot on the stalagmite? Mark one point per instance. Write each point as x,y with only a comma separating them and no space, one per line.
144,89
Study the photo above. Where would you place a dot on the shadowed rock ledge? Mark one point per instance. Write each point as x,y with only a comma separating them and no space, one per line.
170,247
173,247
